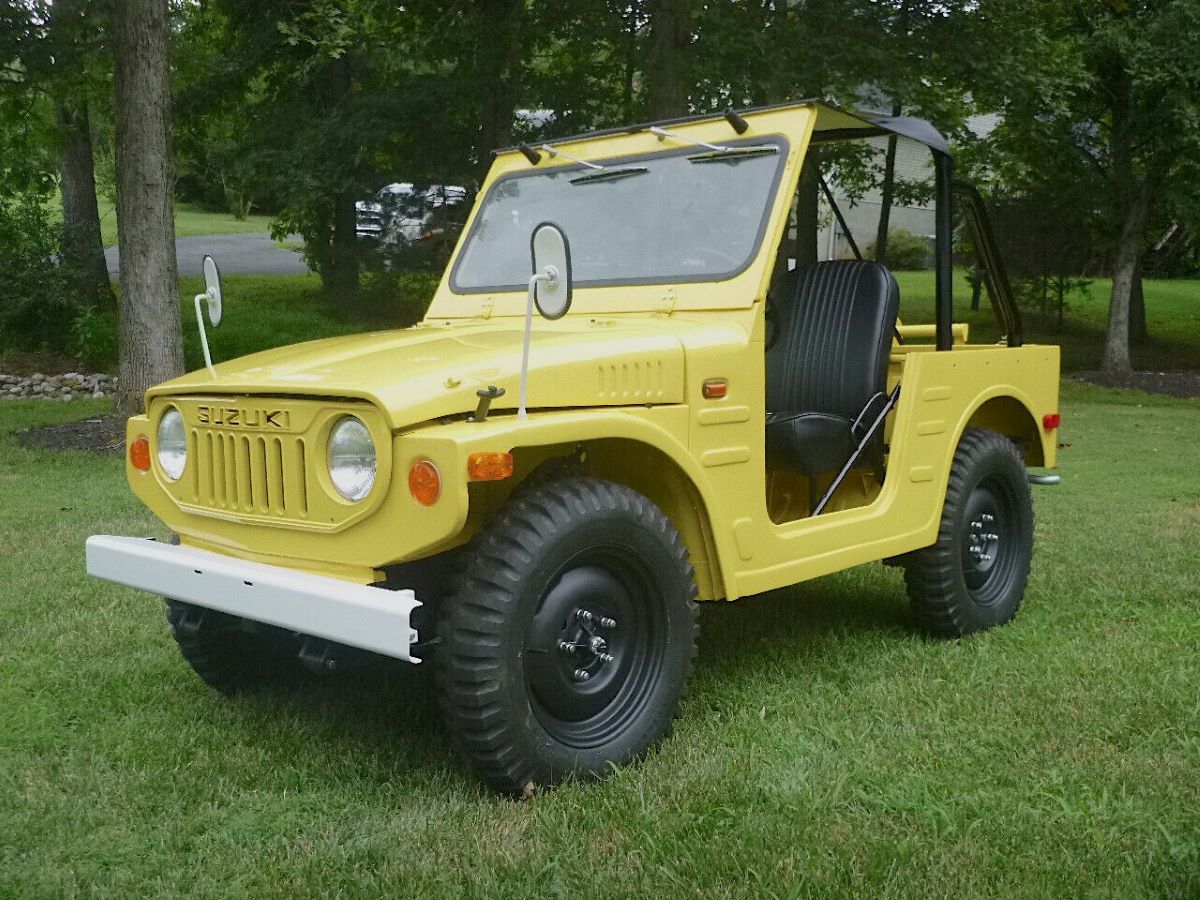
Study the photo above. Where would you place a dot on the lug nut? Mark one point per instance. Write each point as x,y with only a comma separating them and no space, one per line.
566,646
584,616
988,518
604,657
582,674
985,557
606,622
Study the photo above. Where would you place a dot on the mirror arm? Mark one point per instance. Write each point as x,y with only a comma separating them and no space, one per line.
548,275
204,334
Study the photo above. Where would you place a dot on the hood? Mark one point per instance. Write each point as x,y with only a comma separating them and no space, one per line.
426,372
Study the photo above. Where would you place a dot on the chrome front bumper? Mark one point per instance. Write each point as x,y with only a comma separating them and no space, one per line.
353,614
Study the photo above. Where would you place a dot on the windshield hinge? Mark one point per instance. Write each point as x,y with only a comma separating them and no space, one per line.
666,303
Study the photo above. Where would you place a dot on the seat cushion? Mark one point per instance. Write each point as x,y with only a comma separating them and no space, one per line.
814,443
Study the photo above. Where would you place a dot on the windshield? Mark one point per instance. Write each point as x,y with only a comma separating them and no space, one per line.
673,217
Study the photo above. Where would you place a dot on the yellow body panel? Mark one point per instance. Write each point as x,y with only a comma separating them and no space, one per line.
617,384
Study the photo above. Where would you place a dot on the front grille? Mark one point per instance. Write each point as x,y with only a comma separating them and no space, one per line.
262,460
247,473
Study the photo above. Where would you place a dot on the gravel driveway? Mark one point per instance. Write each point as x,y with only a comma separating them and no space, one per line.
236,254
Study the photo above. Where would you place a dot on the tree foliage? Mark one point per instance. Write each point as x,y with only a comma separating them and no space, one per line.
301,107
1101,101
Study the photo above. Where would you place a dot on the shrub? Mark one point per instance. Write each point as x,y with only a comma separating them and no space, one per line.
95,339
37,308
394,299
905,250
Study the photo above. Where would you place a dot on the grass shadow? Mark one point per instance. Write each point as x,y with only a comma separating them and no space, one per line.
810,622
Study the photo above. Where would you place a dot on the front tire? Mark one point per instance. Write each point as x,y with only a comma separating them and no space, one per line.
228,653
974,576
568,643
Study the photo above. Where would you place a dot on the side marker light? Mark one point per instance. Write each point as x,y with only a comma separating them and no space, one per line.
489,466
1050,421
715,388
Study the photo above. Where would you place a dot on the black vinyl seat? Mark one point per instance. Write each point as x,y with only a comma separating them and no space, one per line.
827,368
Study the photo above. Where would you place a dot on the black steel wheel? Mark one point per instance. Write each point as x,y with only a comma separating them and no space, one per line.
229,653
974,576
567,644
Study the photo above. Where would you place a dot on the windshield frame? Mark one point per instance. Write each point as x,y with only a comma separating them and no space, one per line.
778,140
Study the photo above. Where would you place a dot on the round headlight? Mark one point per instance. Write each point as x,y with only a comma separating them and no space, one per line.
172,444
351,458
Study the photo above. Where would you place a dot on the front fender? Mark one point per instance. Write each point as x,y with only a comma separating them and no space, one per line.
664,429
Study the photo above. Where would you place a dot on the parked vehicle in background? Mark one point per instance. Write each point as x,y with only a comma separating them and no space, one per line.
402,214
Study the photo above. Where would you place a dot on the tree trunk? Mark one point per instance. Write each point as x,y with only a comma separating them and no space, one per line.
633,14
887,193
666,68
83,248
1137,307
339,275
976,279
151,343
499,75
1125,264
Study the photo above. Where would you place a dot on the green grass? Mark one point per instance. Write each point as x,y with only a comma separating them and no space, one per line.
190,220
825,749
263,311
1172,311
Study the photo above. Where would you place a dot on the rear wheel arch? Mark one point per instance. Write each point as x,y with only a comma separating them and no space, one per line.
1010,416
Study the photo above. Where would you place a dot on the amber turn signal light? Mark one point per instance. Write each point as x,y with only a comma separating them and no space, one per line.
489,466
1050,421
139,453
715,388
425,482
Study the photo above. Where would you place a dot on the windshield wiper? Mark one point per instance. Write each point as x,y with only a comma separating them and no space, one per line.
609,174
734,154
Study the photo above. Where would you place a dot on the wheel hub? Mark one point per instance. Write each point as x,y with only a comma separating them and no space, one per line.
579,650
983,541
589,648
983,545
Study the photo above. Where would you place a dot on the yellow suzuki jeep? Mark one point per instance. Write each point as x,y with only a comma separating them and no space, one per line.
535,502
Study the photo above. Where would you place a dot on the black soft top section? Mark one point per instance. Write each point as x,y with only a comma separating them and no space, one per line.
918,129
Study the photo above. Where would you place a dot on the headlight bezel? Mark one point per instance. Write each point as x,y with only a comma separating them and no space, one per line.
352,486
171,451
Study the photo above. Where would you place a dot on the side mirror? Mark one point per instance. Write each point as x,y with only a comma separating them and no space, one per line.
213,298
552,268
549,289
212,287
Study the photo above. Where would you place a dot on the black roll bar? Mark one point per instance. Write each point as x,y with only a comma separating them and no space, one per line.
943,168
1000,291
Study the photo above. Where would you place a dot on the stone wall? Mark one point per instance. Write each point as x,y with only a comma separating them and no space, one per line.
71,386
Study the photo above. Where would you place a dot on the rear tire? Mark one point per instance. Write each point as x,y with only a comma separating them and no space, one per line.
974,576
567,644
231,654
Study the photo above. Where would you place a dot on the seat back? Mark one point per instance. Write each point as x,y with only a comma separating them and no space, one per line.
834,338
